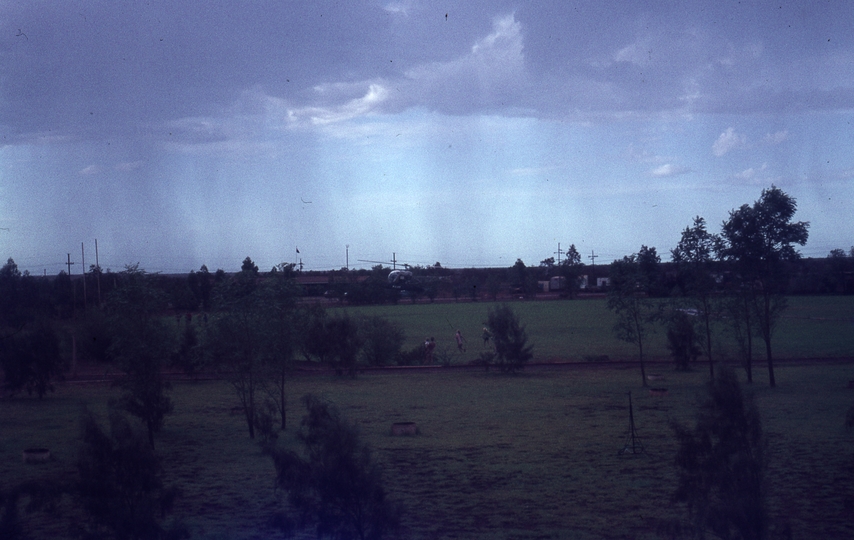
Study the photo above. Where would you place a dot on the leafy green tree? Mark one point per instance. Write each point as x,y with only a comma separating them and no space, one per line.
13,313
345,343
759,241
571,268
510,338
381,339
334,484
521,279
281,338
316,343
682,340
236,342
694,256
722,464
740,311
142,344
839,265
120,484
253,339
636,312
649,268
32,360
189,356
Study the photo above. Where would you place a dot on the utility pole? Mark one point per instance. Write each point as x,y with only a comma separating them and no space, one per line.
347,258
71,284
559,252
592,257
394,261
98,275
83,264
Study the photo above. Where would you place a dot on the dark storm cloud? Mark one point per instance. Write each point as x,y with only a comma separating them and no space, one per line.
103,69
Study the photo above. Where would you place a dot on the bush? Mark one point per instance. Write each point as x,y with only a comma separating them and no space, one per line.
512,351
381,340
722,464
682,340
120,483
336,486
32,360
412,357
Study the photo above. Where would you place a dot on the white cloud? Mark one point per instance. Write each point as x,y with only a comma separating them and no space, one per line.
669,169
493,68
129,166
749,174
638,53
375,96
491,72
728,140
777,138
89,171
399,8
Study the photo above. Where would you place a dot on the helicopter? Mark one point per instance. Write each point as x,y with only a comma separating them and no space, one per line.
404,280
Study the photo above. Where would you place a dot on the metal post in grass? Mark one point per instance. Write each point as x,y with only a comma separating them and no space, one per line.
633,443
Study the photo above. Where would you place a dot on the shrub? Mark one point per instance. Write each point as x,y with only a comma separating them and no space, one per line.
334,485
381,340
682,340
512,351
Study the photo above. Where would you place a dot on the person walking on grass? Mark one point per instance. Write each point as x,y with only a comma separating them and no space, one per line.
459,337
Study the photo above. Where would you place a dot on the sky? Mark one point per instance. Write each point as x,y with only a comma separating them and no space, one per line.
179,133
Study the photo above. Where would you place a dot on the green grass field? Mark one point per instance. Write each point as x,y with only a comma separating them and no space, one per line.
521,457
529,456
812,327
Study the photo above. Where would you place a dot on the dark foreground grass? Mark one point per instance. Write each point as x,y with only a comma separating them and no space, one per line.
579,330
530,456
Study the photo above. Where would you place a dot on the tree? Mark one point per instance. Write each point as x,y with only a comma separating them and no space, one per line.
759,241
280,337
345,343
382,340
693,257
838,268
253,339
334,483
512,350
142,344
522,280
649,269
721,462
31,359
682,340
236,342
740,311
571,268
120,483
635,311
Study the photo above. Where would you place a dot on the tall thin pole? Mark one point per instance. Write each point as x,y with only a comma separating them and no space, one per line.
83,263
98,275
592,257
559,251
71,284
347,258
